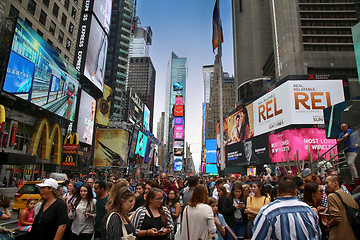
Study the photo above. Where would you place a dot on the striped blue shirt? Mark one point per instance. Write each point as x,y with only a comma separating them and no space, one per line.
286,218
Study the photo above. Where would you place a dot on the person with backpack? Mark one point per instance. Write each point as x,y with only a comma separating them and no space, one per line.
340,224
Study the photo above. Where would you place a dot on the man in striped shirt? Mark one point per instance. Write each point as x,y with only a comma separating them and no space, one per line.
286,217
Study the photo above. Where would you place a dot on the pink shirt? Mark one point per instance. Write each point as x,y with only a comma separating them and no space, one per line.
29,217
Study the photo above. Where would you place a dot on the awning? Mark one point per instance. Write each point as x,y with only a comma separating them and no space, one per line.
16,159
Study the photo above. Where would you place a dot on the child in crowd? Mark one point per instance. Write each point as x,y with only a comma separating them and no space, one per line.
26,217
218,218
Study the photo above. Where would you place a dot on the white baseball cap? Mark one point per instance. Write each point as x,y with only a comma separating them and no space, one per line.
49,183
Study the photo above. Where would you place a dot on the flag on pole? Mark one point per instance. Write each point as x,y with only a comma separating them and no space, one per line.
216,27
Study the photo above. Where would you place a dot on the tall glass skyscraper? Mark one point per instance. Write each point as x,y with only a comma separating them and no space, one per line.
174,111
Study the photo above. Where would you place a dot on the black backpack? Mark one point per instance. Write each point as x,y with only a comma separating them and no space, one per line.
353,215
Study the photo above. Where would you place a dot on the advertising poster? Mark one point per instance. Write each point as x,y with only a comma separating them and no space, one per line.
211,151
298,139
254,151
156,155
251,171
178,163
211,169
149,151
146,118
38,74
179,131
179,110
102,10
103,107
94,68
178,100
133,144
355,30
177,86
86,118
296,102
111,147
141,144
178,144
179,120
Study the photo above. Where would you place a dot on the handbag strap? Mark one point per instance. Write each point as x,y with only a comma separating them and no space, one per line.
108,220
187,223
339,196
231,232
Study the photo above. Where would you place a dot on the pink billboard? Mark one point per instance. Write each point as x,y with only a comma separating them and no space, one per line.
298,139
178,100
179,131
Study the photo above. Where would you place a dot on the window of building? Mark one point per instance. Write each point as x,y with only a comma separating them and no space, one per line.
40,33
20,1
27,21
42,18
73,13
50,42
31,6
66,57
58,50
61,36
63,19
46,2
52,28
71,28
66,4
56,10
68,44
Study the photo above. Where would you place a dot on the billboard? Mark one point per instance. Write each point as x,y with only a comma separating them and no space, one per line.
38,74
355,30
103,107
298,139
133,144
146,118
178,163
210,150
296,102
178,144
177,86
178,110
102,10
178,100
211,168
86,117
254,151
111,147
178,120
136,108
179,131
150,148
141,144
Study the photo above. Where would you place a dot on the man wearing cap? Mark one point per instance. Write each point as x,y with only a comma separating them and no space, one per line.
52,219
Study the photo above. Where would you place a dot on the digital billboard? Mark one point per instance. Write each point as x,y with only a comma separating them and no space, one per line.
178,163
86,117
103,107
177,86
141,144
38,74
298,139
178,120
355,30
178,151
111,147
102,10
211,168
133,144
150,148
210,150
179,131
146,118
296,102
178,110
178,100
178,144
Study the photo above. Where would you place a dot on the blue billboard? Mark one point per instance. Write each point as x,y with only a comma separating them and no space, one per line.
211,168
211,151
178,120
146,118
141,144
178,160
38,74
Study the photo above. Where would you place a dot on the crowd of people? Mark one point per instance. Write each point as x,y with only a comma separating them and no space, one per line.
235,207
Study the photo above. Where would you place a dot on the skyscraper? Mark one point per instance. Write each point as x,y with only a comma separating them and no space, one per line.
175,101
140,42
118,55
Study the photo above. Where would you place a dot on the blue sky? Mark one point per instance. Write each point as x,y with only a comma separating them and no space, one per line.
185,28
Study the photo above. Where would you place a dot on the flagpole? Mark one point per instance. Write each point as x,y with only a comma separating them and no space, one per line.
219,55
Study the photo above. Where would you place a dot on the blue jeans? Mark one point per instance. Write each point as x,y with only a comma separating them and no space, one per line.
239,229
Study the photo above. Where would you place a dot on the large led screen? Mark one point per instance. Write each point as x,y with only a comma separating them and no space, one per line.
355,30
103,107
179,120
102,10
150,148
86,118
211,151
178,100
294,140
178,163
177,86
141,144
111,147
178,144
179,131
146,118
178,110
38,74
211,168
133,144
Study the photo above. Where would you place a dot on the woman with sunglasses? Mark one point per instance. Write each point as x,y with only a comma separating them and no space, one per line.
153,221
51,220
83,212
116,221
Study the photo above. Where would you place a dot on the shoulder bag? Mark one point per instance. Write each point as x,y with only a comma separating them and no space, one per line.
125,236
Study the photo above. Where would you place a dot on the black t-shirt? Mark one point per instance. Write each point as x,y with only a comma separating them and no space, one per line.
46,223
140,201
153,222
